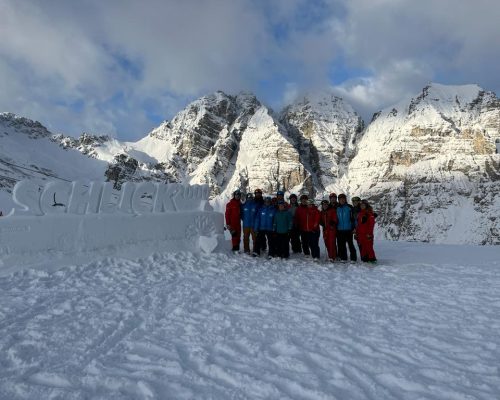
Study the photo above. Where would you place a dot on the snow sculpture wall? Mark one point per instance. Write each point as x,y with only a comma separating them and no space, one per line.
65,222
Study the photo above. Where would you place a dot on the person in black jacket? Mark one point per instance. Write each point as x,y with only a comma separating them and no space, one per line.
294,233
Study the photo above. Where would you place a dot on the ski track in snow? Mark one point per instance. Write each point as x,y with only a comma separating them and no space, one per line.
179,326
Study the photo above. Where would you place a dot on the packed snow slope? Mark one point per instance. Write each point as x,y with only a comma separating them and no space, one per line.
422,324
430,164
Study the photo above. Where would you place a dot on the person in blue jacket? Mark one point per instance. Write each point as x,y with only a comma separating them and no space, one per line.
282,226
248,213
345,228
264,228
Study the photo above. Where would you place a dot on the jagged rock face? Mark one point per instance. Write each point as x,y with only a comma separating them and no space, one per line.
228,142
431,168
324,129
86,143
194,131
11,123
265,158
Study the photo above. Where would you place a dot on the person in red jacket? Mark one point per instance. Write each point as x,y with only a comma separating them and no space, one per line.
307,218
233,219
329,223
298,218
364,231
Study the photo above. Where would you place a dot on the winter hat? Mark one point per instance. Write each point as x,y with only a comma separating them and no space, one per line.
356,198
258,191
249,196
280,193
237,192
292,196
267,199
325,202
304,196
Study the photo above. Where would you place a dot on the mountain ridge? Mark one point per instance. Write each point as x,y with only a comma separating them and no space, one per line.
441,140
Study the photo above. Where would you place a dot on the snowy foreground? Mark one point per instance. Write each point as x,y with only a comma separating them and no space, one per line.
422,324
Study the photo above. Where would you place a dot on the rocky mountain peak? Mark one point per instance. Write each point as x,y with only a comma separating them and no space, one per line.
86,143
440,144
10,123
324,128
447,99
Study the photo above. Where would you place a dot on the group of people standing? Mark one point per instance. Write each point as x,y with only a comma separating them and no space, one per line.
275,225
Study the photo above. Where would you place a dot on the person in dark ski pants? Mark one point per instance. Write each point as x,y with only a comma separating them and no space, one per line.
282,225
355,211
345,229
264,228
294,233
248,214
364,231
233,219
298,221
307,218
259,200
329,223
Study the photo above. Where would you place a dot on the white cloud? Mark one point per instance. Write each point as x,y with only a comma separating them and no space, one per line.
107,66
395,82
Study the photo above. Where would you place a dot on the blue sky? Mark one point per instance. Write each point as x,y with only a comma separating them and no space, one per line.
120,67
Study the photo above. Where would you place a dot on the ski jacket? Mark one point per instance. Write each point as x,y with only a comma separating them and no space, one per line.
355,212
366,223
248,213
259,202
307,218
233,214
282,222
344,215
292,209
329,219
265,218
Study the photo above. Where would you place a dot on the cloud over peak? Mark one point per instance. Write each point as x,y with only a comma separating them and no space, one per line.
122,66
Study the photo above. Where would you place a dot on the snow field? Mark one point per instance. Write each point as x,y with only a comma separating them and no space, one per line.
422,324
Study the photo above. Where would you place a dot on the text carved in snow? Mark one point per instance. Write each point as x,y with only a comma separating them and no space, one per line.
96,197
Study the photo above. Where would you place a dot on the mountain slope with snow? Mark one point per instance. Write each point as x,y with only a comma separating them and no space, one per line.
27,151
430,166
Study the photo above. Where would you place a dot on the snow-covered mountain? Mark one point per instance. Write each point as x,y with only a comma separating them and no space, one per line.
430,163
324,129
231,142
27,151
